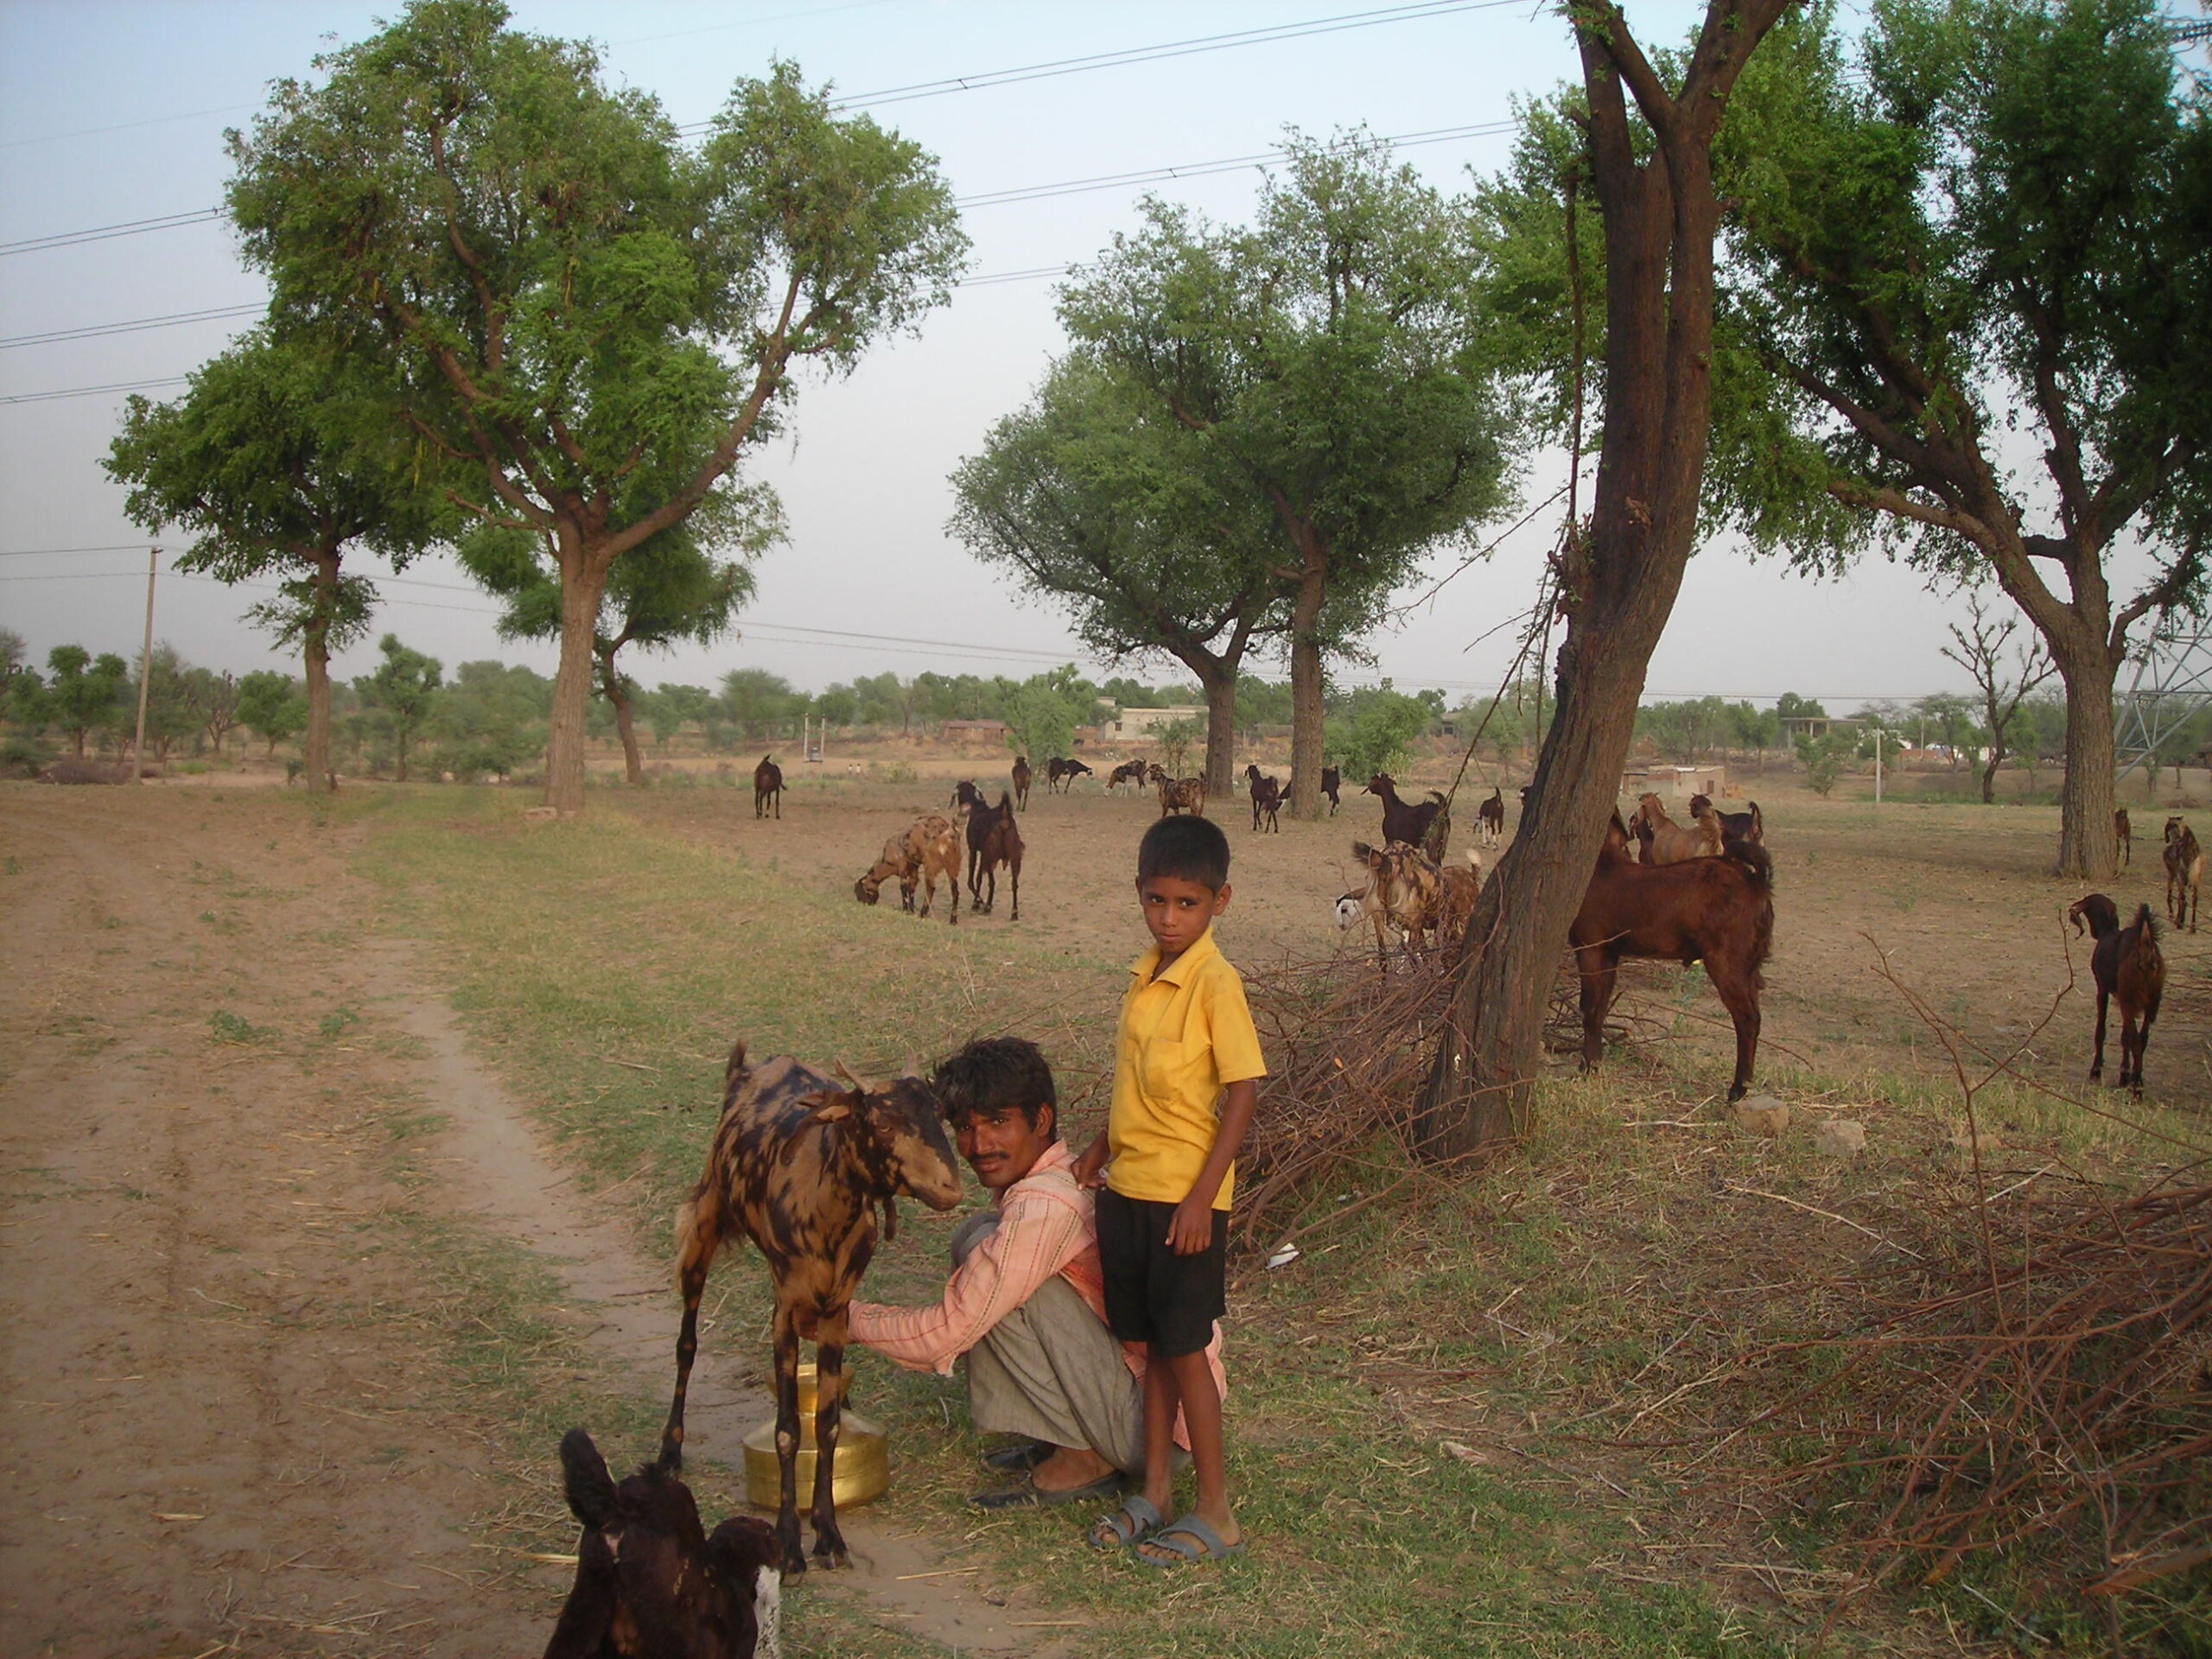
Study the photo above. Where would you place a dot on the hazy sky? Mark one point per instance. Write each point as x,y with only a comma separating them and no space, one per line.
114,112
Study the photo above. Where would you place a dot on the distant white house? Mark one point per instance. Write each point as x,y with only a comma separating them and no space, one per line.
1136,725
1675,783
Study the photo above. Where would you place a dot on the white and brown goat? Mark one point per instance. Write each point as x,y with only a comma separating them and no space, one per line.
1666,841
929,849
1407,890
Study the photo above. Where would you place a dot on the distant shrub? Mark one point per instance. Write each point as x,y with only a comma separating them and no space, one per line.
895,771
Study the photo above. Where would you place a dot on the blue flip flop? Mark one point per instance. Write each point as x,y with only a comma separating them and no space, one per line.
1190,1540
1135,1521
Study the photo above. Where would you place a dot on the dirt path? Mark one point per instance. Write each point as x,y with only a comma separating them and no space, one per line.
221,1423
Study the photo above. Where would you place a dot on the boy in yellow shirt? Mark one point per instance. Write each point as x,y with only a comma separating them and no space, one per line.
1186,1062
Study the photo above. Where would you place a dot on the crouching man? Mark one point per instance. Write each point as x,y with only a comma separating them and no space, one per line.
1025,1305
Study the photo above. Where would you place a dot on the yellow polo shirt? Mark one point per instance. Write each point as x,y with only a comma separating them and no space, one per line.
1184,1036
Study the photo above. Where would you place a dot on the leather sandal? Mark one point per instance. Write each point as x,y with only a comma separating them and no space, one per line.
1189,1540
1135,1521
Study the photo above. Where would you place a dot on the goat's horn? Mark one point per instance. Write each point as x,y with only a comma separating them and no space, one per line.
911,1065
846,1073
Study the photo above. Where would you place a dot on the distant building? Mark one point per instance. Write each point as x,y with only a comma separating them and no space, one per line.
1675,783
1813,726
1137,725
975,731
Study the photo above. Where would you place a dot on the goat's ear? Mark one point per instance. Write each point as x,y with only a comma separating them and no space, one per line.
825,1107
911,1065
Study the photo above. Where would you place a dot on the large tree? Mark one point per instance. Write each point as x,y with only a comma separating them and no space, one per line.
1331,358
279,457
1974,256
595,321
1120,518
1650,174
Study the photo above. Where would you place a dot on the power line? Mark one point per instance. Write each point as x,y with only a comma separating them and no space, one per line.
96,330
93,391
105,233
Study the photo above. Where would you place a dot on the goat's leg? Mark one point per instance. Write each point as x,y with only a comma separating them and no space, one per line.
1597,967
2143,1041
1739,994
699,1237
954,885
787,1438
2097,1060
1014,880
828,1407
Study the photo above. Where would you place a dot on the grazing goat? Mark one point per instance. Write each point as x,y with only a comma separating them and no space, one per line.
767,785
1180,794
1426,825
1021,776
800,1166
2123,834
981,819
2184,872
1491,817
1129,771
1734,826
1267,798
1331,781
1056,770
1409,891
929,849
1001,845
1666,841
1716,911
650,1583
2125,964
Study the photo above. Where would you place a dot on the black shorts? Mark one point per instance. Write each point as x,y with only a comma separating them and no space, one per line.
1152,1295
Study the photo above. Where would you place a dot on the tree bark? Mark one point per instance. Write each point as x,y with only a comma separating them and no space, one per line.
1306,709
616,689
2087,850
583,582
1220,684
1617,588
317,666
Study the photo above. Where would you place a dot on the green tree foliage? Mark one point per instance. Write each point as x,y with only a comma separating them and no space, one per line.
170,715
83,696
399,697
271,706
671,708
1790,706
1334,360
490,718
1685,731
280,456
597,319
1376,731
1986,232
1044,711
1129,524
1825,758
760,705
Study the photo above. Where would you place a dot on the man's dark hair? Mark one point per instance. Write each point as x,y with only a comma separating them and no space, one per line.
994,1075
1188,850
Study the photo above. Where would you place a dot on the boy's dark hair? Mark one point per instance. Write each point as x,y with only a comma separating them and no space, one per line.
994,1075
1188,850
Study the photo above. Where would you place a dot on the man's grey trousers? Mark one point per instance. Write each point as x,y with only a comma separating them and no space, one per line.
1051,1370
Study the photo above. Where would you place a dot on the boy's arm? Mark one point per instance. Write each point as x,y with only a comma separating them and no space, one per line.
1191,1229
1090,1168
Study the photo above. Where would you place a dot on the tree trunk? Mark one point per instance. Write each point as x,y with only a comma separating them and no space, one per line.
616,689
1618,587
583,582
317,666
1220,684
2087,850
1989,777
1305,709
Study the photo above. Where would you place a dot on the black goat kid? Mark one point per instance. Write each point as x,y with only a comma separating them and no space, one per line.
2126,963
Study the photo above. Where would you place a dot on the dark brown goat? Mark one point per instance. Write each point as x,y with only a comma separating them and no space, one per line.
1001,844
2123,834
1331,781
1058,771
1129,771
1716,911
981,820
651,1584
1180,794
1734,826
2184,872
1425,825
1267,798
2126,965
767,785
800,1166
966,795
1022,776
1492,815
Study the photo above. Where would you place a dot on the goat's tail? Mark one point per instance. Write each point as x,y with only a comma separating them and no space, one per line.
2147,923
1755,859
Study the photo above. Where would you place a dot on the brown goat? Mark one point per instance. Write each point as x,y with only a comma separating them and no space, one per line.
1002,844
2123,835
1409,891
1331,781
1491,815
800,1166
1129,771
1058,771
1022,776
1426,825
929,849
2184,872
1180,794
1665,841
650,1583
1267,798
1734,826
1716,911
2126,965
767,785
